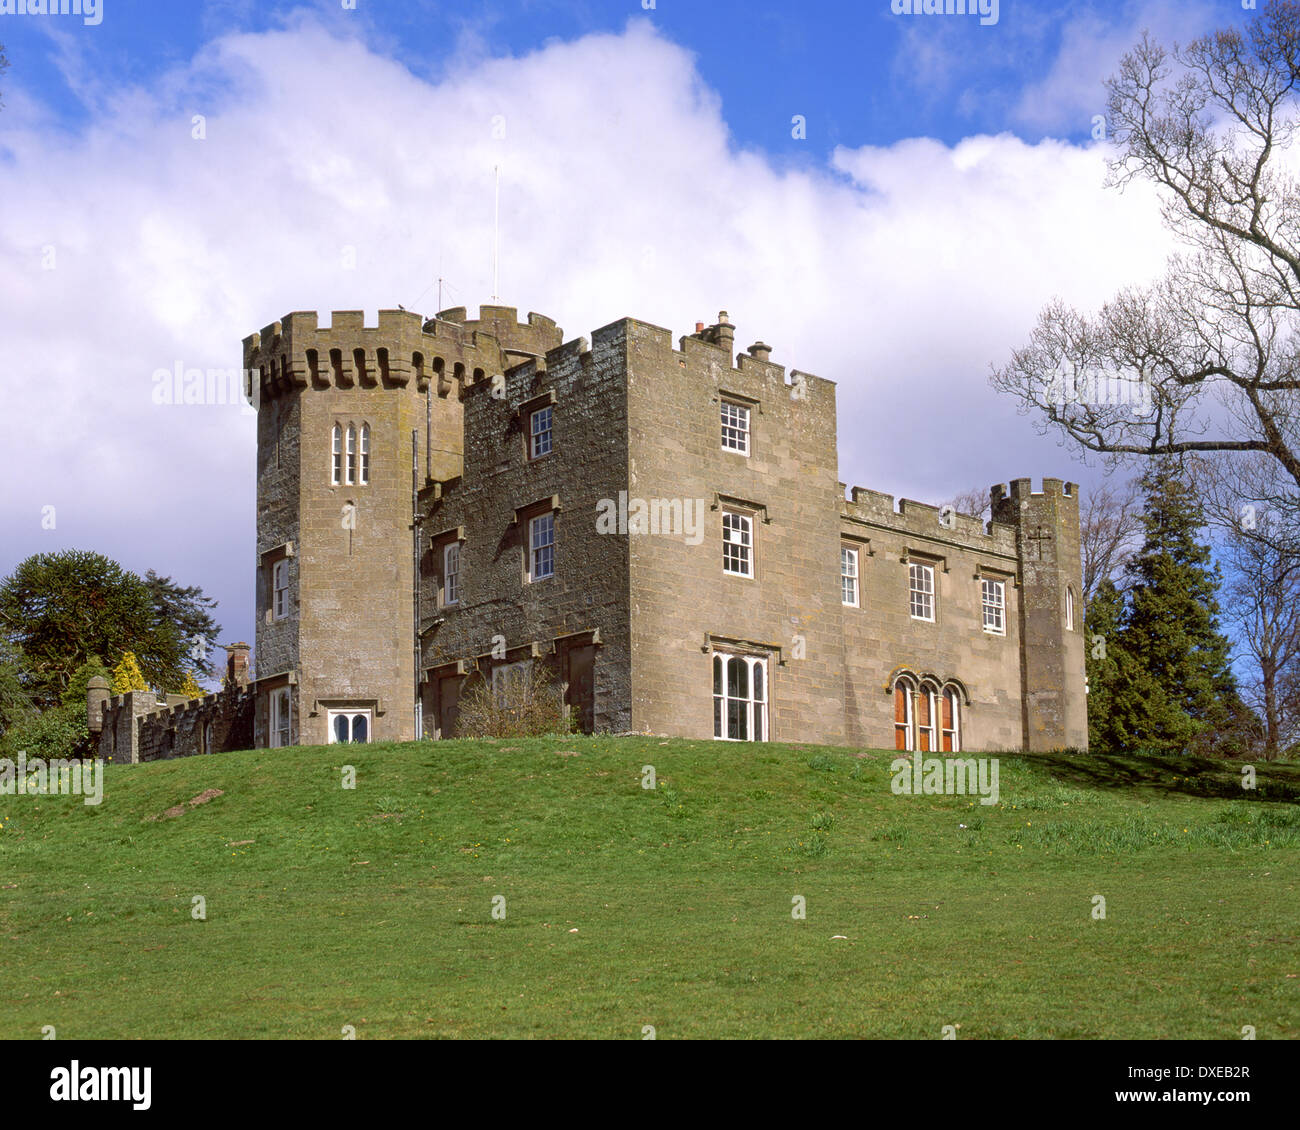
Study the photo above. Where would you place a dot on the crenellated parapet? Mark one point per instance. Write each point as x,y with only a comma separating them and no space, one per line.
403,350
919,519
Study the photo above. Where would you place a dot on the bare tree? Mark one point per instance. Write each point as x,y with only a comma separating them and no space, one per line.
1110,529
1261,601
975,503
1208,359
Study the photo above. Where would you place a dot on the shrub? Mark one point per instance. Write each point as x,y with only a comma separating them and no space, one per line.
527,704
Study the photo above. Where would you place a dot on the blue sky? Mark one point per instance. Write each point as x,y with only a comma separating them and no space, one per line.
947,188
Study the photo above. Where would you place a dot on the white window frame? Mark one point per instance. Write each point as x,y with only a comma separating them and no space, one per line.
539,436
926,602
280,589
1069,608
993,606
849,590
909,721
350,465
538,555
281,718
364,476
451,573
735,420
737,544
336,448
956,719
351,715
753,706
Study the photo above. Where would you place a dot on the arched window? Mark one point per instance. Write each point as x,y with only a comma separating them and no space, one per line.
903,707
337,474
950,731
1069,609
365,453
352,454
927,711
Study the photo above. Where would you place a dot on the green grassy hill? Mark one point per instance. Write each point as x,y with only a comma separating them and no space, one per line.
624,907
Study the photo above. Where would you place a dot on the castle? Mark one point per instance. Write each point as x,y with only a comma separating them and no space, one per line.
662,528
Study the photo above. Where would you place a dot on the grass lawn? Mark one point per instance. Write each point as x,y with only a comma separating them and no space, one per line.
626,907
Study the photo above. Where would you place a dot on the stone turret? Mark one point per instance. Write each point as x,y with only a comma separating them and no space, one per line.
1051,610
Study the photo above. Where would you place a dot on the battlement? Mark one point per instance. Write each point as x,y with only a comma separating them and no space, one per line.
535,337
1022,489
297,352
922,519
709,349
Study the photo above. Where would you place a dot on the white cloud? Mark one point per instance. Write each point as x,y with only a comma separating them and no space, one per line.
899,272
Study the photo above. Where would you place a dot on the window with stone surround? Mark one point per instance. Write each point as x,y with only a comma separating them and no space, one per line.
1069,609
539,432
280,589
735,427
451,573
921,591
849,576
993,604
365,454
336,474
350,469
737,543
280,717
739,697
541,547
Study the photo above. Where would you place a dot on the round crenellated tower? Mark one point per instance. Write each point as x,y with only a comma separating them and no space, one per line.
351,421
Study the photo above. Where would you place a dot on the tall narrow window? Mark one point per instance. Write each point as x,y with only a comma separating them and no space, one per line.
737,544
849,576
993,602
365,453
539,442
740,698
337,466
541,547
735,427
280,590
903,715
1069,610
951,721
451,574
921,597
280,728
352,455
925,705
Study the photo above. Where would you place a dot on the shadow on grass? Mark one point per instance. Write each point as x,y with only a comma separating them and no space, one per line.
1276,781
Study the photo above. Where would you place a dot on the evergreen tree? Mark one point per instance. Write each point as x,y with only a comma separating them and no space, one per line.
1105,666
1175,690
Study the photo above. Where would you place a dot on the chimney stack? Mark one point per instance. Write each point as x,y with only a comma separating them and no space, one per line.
237,665
724,333
759,351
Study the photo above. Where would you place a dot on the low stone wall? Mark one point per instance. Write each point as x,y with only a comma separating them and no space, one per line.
136,727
